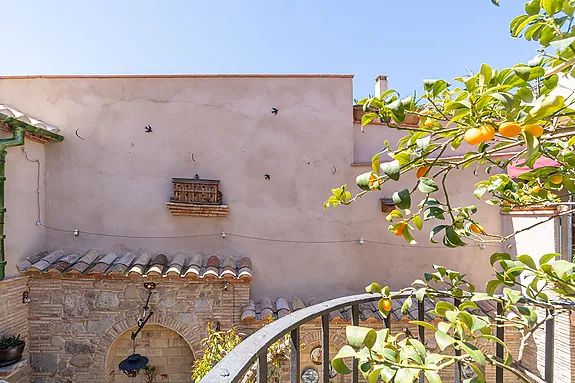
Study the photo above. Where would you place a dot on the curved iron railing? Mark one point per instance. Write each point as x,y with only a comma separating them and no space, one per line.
232,368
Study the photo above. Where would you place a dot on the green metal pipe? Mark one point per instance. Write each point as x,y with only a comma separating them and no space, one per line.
17,139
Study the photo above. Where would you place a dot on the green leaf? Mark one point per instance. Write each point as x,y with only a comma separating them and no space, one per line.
512,296
549,6
338,361
561,45
496,257
360,336
453,236
407,236
486,72
376,163
529,314
563,268
505,98
373,288
423,143
391,169
479,192
434,231
443,340
418,222
402,199
407,303
527,260
533,7
406,375
368,118
473,352
496,3
547,257
432,376
525,94
423,324
492,286
427,185
433,212
532,144
387,374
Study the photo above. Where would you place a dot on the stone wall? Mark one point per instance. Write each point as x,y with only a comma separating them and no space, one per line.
166,350
14,321
74,321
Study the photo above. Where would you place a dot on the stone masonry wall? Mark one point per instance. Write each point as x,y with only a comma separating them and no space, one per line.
74,321
14,321
167,351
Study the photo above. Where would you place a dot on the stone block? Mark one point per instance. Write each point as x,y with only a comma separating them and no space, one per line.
82,360
75,306
57,341
73,347
107,300
44,363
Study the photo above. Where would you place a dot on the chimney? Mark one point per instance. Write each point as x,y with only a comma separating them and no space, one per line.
380,85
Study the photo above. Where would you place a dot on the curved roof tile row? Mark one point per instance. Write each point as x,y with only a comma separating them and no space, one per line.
195,265
281,307
9,111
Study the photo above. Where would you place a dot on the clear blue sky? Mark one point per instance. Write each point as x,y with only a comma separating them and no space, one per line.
406,40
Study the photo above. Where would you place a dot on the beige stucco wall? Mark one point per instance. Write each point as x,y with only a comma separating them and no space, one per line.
23,237
118,178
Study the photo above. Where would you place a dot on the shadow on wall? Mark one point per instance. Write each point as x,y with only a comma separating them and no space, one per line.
166,350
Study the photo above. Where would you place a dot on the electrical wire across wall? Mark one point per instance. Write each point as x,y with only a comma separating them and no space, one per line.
360,241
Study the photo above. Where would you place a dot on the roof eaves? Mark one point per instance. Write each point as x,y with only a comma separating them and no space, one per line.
15,118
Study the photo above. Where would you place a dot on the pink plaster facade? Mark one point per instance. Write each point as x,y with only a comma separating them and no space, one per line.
117,179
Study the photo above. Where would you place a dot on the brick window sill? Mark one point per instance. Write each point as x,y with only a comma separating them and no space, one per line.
8,371
185,209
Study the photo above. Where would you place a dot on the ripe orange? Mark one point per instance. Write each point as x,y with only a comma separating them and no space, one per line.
386,305
536,189
510,129
488,132
535,129
556,179
428,123
421,171
399,230
477,228
473,136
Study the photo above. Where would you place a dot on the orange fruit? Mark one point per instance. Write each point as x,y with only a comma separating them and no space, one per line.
488,132
399,230
556,179
428,123
536,189
386,305
473,136
421,171
477,228
510,129
535,129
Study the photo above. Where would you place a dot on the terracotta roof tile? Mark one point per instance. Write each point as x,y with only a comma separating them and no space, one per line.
46,261
84,263
29,261
103,264
121,264
158,265
65,262
192,266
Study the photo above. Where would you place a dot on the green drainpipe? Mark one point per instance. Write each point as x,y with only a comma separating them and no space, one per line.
16,140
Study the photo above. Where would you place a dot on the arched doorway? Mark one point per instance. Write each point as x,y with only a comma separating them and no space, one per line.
167,351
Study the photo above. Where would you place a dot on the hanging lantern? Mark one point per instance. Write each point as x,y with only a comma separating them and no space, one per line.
132,365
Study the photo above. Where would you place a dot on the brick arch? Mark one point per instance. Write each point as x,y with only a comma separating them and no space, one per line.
310,336
190,333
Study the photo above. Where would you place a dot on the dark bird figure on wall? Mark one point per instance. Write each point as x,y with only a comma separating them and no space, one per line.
267,177
148,128
275,111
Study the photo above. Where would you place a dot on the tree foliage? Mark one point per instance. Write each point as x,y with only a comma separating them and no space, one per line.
498,118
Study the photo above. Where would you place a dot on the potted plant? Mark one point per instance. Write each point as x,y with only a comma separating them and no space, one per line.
11,349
